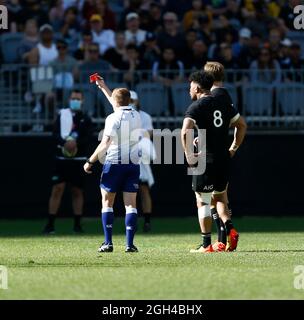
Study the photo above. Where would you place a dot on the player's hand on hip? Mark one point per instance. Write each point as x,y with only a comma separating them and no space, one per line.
192,158
87,167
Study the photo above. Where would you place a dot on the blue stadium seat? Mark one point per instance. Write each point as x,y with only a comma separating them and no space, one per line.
181,97
153,98
290,97
257,99
9,46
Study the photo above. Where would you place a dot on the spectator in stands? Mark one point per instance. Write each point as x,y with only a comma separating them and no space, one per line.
14,9
88,67
100,7
295,65
150,52
46,50
178,7
274,42
106,13
191,16
171,36
168,69
65,70
284,53
94,63
260,21
242,44
228,61
198,57
134,64
104,37
30,40
287,14
234,14
203,27
130,6
82,53
117,56
70,26
217,7
250,52
265,68
32,9
133,34
56,15
153,18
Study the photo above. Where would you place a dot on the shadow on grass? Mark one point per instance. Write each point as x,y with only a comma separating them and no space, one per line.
92,226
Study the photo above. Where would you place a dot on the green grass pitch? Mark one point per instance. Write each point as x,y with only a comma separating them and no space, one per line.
66,266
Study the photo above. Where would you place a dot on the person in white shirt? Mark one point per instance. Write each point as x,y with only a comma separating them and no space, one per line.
146,176
105,38
133,33
120,148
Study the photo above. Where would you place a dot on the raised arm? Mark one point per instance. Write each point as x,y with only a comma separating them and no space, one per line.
240,128
105,89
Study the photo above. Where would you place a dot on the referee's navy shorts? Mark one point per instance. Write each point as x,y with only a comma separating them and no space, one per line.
120,177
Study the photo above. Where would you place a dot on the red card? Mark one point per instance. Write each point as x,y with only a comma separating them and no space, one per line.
94,77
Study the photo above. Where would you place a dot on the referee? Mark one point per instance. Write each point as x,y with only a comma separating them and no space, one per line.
72,132
119,148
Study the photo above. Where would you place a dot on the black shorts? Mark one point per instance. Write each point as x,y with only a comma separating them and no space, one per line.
70,171
215,178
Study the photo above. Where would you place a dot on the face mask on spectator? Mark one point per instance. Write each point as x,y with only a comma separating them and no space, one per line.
75,105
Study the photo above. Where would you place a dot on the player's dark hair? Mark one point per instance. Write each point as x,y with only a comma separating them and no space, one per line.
203,79
216,69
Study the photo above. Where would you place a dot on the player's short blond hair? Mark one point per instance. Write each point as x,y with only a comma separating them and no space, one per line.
216,69
121,96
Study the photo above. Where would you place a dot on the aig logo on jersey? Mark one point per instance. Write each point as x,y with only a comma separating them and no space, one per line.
298,22
208,188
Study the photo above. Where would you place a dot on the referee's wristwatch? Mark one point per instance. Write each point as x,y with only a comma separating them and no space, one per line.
89,162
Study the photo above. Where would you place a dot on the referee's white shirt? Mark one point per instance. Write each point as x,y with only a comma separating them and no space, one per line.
124,126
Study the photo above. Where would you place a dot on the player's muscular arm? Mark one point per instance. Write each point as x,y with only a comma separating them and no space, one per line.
240,128
99,153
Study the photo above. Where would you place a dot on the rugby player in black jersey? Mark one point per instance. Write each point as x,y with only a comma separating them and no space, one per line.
216,118
221,94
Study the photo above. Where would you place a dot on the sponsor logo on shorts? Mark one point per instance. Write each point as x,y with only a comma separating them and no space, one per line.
208,188
135,185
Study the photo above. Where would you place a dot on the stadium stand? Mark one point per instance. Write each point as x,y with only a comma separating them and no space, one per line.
255,41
